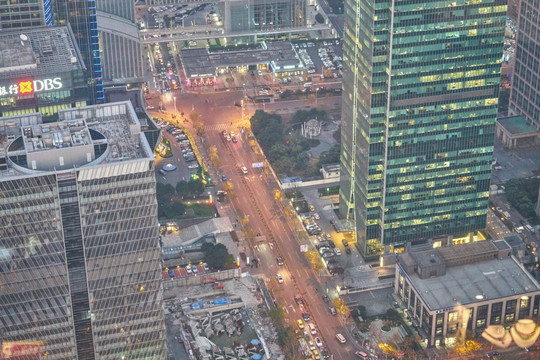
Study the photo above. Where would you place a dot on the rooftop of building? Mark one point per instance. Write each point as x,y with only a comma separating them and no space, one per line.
516,125
201,63
331,167
470,275
38,51
85,136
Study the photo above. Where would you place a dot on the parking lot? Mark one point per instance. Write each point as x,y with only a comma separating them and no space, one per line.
183,157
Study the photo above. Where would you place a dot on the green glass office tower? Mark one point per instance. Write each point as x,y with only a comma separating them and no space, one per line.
420,89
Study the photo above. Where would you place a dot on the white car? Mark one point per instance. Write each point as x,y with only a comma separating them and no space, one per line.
319,342
337,251
194,269
188,269
205,267
312,345
279,278
244,170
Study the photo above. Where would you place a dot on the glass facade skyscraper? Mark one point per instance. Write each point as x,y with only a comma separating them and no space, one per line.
260,15
525,96
80,263
420,93
81,16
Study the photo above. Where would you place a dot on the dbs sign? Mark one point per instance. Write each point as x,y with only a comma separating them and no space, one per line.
29,87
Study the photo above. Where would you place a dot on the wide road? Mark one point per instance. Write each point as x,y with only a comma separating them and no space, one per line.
255,200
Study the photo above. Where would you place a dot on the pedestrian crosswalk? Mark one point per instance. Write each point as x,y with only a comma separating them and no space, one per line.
217,127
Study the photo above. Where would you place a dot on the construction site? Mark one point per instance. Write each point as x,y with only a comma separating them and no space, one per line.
224,317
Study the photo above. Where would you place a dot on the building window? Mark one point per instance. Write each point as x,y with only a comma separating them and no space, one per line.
452,316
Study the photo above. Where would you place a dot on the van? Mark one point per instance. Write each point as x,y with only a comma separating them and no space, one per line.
341,338
307,85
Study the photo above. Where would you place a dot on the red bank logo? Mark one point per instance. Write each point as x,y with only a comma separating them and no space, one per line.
25,87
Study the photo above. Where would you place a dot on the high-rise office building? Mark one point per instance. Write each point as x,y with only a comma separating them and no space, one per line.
21,13
260,15
525,94
40,70
80,264
81,16
420,93
120,44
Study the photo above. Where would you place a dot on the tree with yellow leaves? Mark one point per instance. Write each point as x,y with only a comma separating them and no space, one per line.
314,259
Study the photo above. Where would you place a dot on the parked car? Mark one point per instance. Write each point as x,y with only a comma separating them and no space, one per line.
279,278
279,261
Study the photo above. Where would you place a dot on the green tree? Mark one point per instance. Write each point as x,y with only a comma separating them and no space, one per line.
217,256
164,192
319,18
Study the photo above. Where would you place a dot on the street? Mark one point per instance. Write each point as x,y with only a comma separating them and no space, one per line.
256,208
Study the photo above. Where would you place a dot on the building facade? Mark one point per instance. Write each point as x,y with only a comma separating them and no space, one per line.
262,15
80,262
447,291
82,17
21,14
525,94
41,70
120,44
420,93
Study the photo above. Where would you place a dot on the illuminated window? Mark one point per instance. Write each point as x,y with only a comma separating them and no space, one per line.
472,32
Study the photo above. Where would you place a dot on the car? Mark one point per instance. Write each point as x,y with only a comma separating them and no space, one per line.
205,267
316,355
188,269
493,354
244,170
312,329
345,243
312,345
326,298
305,316
298,299
223,177
300,324
337,251
311,208
194,269
171,273
162,172
234,140
333,310
348,251
279,261
328,255
361,355
325,354
193,166
316,216
279,278
331,243
319,342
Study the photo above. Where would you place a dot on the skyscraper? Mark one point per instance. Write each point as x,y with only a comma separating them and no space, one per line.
525,95
80,264
120,44
81,16
420,93
21,13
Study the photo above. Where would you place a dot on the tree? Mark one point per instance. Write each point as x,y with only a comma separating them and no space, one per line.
164,192
314,259
341,307
199,127
217,256
319,18
214,158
